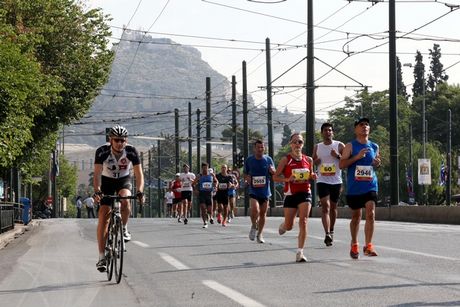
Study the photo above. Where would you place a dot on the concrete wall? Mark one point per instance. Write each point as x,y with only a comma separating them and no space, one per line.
414,214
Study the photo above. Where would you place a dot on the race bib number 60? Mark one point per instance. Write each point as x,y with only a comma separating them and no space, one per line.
327,169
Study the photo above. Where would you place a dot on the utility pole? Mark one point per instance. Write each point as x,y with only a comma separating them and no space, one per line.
198,141
269,114
449,161
208,121
190,135
310,106
245,134
159,178
234,139
176,138
394,160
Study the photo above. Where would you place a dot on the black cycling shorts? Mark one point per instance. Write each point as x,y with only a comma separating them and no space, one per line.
205,198
186,195
111,186
222,198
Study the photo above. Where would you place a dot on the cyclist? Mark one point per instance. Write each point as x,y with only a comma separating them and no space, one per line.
112,166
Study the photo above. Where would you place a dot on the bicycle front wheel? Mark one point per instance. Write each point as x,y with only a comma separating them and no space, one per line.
109,251
118,250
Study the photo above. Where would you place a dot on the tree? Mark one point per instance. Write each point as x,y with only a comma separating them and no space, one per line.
286,135
437,74
227,135
401,87
418,89
70,50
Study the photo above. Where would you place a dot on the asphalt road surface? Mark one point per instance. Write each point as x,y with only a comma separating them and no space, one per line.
171,264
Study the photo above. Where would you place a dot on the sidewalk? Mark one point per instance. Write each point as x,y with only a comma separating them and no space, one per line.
19,229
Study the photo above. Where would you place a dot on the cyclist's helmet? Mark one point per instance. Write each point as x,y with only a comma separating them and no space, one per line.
118,131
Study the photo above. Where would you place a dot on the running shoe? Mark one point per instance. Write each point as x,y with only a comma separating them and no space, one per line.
332,235
224,224
126,235
281,229
219,218
299,257
328,240
369,250
229,219
260,239
252,234
354,251
205,225
185,221
178,220
101,265
211,221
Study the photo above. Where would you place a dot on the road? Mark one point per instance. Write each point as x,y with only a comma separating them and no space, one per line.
171,264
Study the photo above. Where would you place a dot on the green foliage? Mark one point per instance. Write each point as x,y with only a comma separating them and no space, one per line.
227,135
437,74
67,179
54,60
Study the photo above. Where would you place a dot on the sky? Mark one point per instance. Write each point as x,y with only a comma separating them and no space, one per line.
352,33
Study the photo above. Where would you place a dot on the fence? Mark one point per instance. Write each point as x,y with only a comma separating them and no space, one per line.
10,213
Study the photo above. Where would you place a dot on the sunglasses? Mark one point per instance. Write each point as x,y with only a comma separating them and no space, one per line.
119,140
300,142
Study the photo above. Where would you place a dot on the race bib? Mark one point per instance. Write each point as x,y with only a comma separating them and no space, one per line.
327,169
259,181
186,184
363,173
222,186
301,174
206,185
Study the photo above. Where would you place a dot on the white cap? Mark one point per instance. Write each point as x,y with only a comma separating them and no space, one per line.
178,175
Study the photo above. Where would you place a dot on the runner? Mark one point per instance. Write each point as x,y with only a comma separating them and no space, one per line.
176,188
361,157
296,171
257,170
232,194
225,182
187,179
205,183
327,156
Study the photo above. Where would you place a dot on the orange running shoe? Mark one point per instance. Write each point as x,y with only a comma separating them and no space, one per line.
354,251
369,250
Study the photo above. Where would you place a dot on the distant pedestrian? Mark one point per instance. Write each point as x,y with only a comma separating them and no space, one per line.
79,205
326,155
89,204
205,183
361,157
258,170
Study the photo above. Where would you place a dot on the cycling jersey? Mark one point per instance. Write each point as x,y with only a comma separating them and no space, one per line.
113,168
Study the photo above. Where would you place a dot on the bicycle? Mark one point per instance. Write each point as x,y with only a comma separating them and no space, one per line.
115,244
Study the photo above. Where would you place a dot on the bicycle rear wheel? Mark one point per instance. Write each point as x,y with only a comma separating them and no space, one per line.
109,252
118,249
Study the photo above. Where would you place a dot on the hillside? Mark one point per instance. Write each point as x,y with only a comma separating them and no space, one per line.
150,79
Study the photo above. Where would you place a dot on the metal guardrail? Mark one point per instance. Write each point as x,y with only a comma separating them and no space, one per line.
8,215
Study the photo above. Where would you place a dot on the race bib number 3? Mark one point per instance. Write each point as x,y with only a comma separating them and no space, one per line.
259,181
301,174
363,173
327,169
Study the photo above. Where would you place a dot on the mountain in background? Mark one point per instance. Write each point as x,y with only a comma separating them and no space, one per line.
151,77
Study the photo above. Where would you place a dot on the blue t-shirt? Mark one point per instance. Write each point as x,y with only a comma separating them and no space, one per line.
259,170
206,183
361,177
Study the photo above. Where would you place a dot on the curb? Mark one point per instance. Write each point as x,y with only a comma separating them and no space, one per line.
19,229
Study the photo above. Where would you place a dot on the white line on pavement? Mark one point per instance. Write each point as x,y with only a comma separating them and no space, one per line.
232,294
141,244
173,261
417,253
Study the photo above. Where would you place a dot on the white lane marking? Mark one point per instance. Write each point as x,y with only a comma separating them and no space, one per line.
173,261
418,253
232,294
141,244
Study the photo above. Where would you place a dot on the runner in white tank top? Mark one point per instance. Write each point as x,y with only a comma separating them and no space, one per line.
326,155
